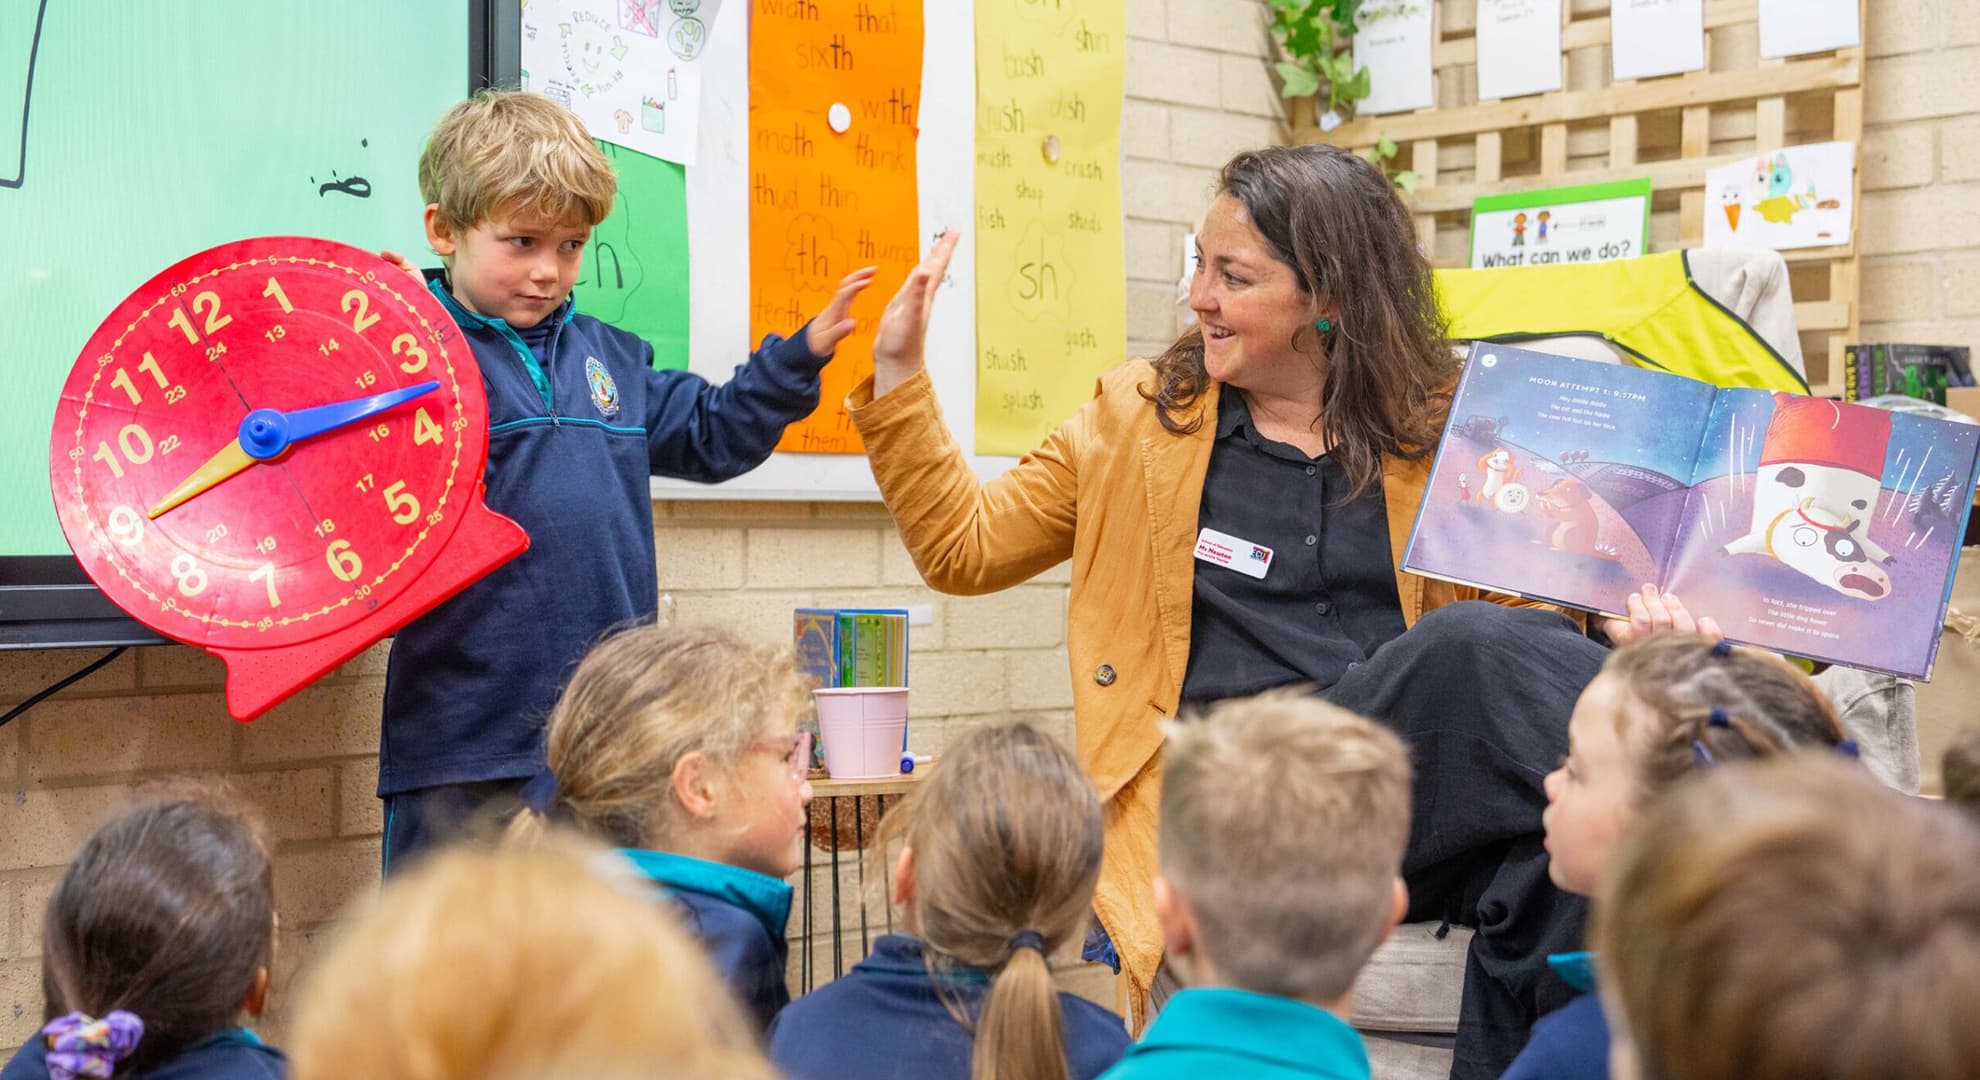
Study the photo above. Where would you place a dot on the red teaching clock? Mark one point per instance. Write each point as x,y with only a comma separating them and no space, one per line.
273,450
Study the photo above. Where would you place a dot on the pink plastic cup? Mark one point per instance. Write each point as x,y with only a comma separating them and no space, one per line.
863,729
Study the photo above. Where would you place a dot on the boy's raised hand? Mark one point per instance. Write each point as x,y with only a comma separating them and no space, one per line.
902,339
824,332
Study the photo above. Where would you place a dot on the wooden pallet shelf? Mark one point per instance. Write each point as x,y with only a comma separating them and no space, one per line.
1671,129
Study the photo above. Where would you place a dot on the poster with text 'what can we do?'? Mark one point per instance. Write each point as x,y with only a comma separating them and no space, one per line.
1051,287
834,107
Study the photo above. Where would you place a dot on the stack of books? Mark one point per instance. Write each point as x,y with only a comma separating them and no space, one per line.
1919,371
853,646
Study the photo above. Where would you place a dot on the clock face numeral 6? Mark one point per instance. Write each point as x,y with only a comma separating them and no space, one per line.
310,540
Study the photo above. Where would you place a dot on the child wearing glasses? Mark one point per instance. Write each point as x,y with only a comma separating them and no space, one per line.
680,746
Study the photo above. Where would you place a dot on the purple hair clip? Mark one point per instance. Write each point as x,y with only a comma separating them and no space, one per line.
83,1046
1700,756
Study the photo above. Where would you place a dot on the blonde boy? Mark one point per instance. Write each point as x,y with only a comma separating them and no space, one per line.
578,420
1283,825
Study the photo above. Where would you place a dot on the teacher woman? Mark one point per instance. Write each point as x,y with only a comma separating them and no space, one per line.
1235,511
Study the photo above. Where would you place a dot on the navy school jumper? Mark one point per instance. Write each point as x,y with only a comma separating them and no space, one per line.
229,1055
738,916
885,1020
578,422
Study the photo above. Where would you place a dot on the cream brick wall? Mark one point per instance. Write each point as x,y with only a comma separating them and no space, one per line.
1197,89
1919,230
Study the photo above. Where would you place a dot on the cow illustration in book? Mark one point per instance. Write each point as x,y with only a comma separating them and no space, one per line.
1820,475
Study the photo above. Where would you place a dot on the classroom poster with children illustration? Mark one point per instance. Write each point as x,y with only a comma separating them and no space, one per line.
1812,527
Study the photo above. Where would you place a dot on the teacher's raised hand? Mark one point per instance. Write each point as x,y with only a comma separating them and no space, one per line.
900,342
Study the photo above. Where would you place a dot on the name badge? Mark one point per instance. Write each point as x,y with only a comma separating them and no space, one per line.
1233,553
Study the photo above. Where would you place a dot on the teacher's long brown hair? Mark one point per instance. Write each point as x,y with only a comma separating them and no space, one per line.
1339,224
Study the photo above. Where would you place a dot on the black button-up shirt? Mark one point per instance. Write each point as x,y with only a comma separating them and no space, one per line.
1328,598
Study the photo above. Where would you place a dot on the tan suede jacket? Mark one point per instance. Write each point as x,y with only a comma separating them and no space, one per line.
1118,494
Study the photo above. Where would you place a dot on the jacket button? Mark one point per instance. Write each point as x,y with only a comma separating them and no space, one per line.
1104,674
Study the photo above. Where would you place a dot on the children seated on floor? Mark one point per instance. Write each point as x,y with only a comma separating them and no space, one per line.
681,747
1283,825
1664,709
1793,919
157,945
519,964
1001,850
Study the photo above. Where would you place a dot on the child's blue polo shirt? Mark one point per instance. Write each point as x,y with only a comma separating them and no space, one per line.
236,1054
1219,1032
886,1020
739,916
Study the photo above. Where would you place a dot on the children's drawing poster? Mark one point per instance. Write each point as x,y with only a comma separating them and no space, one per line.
1656,37
1050,262
1802,196
1519,47
1586,223
635,272
834,106
1392,39
1794,27
630,69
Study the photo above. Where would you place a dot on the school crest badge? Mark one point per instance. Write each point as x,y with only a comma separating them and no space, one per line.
604,392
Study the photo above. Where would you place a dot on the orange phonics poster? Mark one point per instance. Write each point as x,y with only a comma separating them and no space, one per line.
834,105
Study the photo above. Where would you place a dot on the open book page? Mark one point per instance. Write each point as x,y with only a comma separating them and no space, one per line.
1559,479
1825,529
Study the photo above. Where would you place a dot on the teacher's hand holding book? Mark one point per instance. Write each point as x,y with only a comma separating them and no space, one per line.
1653,612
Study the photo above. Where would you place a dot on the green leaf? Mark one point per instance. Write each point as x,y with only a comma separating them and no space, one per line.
1385,146
1359,85
1406,180
1300,82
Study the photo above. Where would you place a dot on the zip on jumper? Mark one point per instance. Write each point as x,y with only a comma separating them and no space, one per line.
438,287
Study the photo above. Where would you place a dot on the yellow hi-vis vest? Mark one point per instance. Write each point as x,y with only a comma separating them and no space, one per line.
1648,307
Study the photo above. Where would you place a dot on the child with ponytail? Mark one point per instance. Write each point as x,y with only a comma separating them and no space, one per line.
1000,853
680,746
157,945
1663,709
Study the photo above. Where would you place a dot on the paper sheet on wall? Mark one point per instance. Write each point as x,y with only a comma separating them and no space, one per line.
832,116
1802,196
635,272
1051,270
630,69
1656,37
1392,40
1519,47
1794,27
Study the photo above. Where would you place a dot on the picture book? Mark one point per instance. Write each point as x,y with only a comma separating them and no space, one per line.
1811,527
1920,371
852,646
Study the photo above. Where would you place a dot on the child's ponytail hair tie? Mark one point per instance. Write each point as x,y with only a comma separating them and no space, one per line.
1026,939
80,1045
1847,748
1721,649
1718,718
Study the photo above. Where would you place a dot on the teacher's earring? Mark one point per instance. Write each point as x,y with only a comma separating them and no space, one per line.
1323,324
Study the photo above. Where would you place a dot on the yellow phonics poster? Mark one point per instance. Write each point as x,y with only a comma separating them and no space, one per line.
1051,288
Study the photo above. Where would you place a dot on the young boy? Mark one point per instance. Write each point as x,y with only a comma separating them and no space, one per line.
578,420
1283,825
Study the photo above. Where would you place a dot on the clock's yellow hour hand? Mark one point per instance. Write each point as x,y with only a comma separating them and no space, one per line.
230,460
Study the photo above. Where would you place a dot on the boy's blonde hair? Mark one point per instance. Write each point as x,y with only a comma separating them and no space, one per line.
509,151
514,964
1006,835
1794,919
1765,706
1284,820
640,701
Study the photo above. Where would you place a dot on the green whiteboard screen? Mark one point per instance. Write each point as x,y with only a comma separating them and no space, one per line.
147,132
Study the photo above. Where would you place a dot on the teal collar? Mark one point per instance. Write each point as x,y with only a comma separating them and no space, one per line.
436,283
759,894
1577,969
1238,1023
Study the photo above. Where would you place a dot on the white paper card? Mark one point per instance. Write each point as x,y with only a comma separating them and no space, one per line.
1793,27
1656,37
1392,39
1232,553
1519,47
630,69
1803,196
